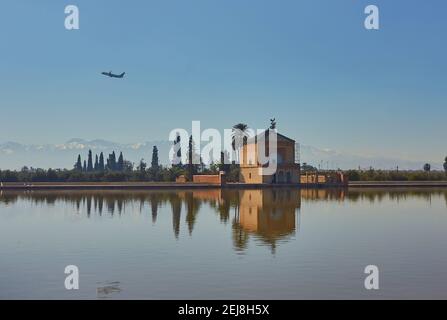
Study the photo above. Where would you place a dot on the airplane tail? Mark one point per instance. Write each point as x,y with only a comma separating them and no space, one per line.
122,75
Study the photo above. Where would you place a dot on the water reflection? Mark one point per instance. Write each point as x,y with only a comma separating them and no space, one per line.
269,216
372,195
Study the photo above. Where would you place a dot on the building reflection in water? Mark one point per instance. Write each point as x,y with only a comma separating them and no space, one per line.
268,216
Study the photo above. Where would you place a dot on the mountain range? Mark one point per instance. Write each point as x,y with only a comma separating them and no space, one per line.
14,155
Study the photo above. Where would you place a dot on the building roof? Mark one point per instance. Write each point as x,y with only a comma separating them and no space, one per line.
266,132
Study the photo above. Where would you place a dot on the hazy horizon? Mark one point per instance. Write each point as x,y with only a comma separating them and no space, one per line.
62,155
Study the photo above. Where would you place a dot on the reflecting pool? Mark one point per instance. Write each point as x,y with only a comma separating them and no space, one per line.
224,244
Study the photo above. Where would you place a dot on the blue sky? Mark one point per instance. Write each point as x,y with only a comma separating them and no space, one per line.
311,64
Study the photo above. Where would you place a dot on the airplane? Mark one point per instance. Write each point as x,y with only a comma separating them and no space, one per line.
111,75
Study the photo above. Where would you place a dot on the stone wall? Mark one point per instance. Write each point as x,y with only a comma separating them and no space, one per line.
337,178
210,179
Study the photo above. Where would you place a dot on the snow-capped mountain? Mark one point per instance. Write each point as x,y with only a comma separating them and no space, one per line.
15,155
332,159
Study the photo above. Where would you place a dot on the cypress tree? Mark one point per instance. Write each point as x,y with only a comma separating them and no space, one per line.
85,166
78,165
101,162
179,150
191,158
111,162
154,163
120,164
96,167
90,161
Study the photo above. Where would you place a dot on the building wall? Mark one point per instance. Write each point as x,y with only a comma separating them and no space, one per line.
181,179
250,175
283,172
209,179
249,153
286,150
324,178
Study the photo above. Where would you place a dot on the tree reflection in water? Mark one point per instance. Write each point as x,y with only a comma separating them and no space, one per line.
270,216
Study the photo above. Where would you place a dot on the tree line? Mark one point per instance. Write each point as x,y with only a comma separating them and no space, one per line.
119,169
112,163
393,175
113,169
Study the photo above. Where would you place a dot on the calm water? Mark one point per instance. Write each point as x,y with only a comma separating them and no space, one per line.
212,244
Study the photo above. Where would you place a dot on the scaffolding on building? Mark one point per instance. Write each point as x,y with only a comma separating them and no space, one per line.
297,153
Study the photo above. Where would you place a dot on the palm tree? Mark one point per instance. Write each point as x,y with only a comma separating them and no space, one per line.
239,135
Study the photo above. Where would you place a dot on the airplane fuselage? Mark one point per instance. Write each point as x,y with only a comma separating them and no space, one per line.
112,75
